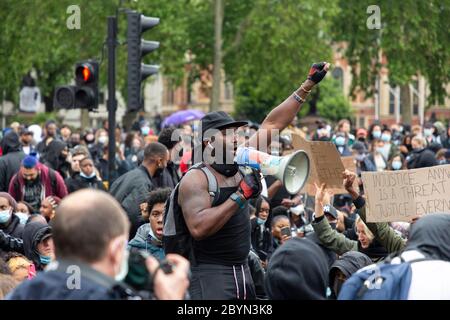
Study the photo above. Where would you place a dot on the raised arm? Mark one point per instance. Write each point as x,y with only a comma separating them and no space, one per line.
330,238
280,117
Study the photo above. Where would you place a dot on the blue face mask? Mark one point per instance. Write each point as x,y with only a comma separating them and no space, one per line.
260,221
340,141
427,132
45,259
376,134
396,165
87,177
386,137
145,131
4,216
23,217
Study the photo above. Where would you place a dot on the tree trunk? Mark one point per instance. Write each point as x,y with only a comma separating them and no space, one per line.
84,118
405,104
218,22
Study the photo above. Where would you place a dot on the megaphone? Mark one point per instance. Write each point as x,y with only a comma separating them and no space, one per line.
291,170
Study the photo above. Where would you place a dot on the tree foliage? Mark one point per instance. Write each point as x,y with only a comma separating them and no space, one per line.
332,104
414,37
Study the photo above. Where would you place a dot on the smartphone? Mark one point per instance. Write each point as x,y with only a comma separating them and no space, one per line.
286,231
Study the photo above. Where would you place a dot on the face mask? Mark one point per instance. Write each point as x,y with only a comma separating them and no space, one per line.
360,157
145,131
396,165
123,267
443,161
5,215
228,170
260,221
362,139
333,225
376,134
103,139
23,217
427,132
340,141
379,150
385,137
45,259
87,177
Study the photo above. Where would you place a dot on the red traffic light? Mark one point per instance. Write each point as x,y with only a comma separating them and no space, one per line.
84,73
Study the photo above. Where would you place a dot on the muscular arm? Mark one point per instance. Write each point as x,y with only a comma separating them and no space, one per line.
195,201
280,117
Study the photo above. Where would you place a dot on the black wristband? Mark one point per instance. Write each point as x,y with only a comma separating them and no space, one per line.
319,218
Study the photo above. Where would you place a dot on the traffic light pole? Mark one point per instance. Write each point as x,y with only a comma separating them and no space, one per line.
112,102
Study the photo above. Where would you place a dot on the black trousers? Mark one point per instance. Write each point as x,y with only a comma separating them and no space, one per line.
217,282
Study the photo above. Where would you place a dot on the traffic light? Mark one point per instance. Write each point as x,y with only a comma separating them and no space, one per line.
137,49
84,94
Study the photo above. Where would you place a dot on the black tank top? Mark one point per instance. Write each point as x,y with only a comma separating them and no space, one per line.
231,244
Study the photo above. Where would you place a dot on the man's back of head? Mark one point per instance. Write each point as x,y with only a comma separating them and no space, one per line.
154,150
86,223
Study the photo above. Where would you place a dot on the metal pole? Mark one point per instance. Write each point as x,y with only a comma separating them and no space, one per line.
112,102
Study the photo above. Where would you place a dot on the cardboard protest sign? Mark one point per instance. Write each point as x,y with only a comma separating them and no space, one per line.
326,165
404,194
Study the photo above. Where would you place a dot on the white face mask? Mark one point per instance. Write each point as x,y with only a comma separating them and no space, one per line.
103,139
123,271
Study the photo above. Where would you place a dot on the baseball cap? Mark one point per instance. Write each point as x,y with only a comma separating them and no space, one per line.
219,120
327,209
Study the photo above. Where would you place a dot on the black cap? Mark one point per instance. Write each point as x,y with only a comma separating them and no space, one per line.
25,131
359,147
219,120
327,209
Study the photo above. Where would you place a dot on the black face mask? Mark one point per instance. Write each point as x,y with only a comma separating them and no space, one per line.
228,170
362,139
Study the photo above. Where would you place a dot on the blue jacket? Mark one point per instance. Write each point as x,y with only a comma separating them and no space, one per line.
53,285
144,241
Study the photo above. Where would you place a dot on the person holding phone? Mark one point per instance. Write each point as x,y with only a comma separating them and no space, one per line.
281,230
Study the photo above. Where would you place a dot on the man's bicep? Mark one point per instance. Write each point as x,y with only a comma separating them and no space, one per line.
194,196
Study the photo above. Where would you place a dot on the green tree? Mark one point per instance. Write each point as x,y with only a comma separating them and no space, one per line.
34,35
332,104
414,37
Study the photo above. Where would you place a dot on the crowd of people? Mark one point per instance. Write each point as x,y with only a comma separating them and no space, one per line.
243,236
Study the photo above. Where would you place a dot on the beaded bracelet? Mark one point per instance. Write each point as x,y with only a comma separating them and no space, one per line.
298,98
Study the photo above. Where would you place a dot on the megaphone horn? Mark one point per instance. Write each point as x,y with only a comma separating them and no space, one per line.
291,170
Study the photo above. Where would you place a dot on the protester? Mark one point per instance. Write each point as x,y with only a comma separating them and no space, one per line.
132,188
38,243
397,163
21,268
9,222
48,207
261,235
220,231
50,135
341,143
420,157
280,223
297,271
344,267
170,175
35,181
56,155
10,160
23,211
149,235
338,242
87,178
26,142
90,232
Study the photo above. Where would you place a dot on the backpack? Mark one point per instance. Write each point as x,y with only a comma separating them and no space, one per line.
176,235
383,281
